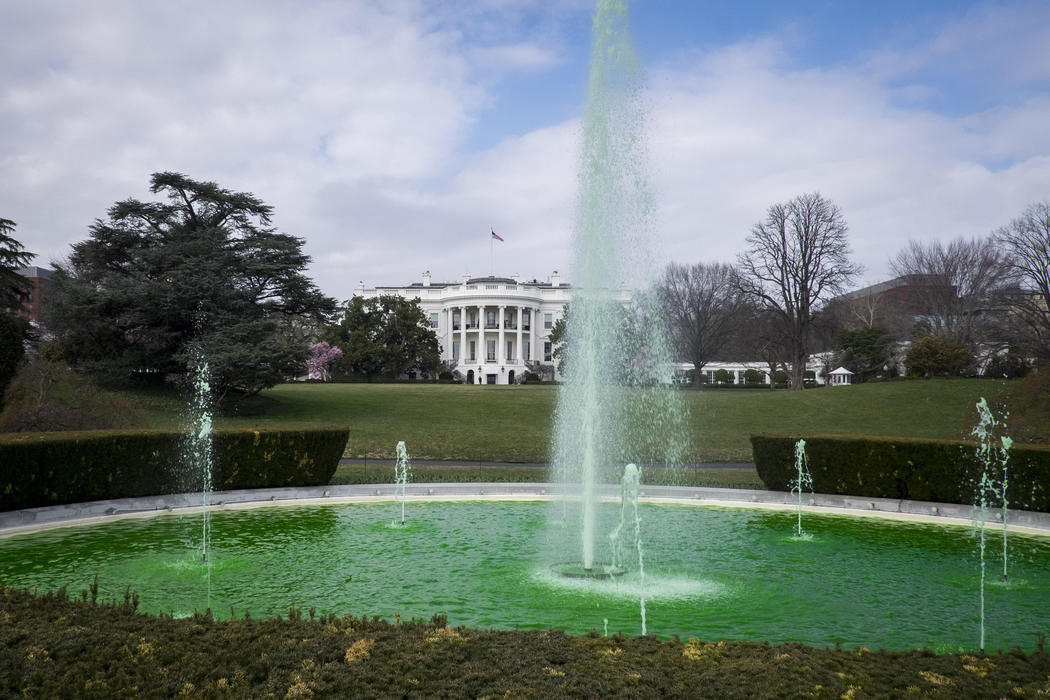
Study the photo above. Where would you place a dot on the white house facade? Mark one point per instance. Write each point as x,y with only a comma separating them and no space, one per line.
492,330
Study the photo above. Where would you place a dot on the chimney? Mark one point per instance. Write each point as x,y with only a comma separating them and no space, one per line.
555,279
515,278
426,278
466,277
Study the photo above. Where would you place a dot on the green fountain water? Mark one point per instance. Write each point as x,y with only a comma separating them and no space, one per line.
712,573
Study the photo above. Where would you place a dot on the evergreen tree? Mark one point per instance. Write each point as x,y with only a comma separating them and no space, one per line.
202,269
387,335
14,288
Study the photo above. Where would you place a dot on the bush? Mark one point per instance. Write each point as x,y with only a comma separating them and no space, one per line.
781,377
753,376
1028,404
1008,366
58,647
918,469
39,469
48,396
445,376
937,356
723,376
12,348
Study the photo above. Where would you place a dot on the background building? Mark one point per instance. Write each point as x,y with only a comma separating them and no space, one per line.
492,329
39,279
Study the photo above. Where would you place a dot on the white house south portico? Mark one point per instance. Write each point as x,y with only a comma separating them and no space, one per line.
491,329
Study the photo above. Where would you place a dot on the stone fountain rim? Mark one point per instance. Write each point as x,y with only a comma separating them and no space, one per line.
94,512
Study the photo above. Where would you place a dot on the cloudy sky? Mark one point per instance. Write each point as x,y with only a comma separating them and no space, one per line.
393,135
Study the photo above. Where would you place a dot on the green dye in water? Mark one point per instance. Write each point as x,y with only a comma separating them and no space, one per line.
711,573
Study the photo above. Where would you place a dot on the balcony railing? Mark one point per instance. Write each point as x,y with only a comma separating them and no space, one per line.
510,325
491,326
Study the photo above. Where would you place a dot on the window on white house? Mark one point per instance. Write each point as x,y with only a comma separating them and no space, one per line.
434,320
455,349
547,352
490,350
548,321
473,351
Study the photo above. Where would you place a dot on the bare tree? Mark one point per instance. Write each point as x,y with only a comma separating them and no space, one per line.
959,285
701,303
797,260
761,335
1026,243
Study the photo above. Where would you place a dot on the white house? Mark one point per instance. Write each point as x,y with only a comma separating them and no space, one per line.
491,329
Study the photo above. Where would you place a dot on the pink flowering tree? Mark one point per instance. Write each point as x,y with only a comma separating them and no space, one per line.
322,357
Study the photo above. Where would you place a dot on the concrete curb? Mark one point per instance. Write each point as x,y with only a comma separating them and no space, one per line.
34,519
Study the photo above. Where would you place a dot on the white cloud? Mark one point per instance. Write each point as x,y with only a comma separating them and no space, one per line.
350,119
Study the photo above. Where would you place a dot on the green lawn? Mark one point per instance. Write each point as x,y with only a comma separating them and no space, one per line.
513,423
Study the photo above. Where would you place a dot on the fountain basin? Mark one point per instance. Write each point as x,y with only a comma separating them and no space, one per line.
711,572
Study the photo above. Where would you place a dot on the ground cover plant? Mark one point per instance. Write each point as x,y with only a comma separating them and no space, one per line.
51,646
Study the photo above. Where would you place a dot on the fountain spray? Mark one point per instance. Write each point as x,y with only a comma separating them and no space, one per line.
993,454
611,407
994,460
802,481
629,485
200,439
198,449
402,470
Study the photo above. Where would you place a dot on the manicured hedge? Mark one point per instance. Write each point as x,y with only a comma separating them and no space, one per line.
884,467
38,469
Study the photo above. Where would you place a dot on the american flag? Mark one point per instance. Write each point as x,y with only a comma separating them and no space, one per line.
496,236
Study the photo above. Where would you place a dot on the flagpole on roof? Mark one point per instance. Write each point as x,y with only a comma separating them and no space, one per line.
492,254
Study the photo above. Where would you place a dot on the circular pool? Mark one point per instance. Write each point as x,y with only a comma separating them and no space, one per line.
710,572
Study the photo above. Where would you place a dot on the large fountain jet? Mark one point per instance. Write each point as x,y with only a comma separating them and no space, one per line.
608,346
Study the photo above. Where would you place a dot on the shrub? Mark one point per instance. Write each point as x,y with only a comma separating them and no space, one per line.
885,467
49,396
58,647
445,376
12,349
937,356
781,377
1029,407
1007,366
753,376
723,376
38,469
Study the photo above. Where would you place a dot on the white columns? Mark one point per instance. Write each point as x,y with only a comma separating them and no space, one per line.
463,335
501,351
448,334
534,333
519,347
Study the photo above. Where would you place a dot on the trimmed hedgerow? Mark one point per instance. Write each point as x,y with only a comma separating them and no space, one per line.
38,469
913,468
51,646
